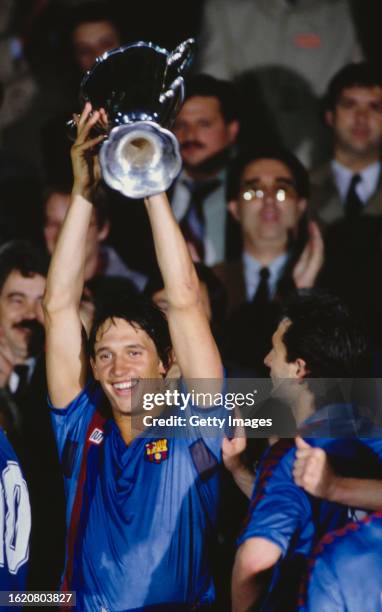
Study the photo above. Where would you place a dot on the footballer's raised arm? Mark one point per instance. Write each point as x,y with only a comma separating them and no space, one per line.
193,342
65,350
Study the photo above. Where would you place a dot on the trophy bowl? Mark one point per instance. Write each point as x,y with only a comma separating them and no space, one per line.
141,88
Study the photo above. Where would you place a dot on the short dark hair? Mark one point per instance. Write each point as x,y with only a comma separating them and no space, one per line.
205,85
325,335
21,256
362,74
99,200
140,312
296,168
89,12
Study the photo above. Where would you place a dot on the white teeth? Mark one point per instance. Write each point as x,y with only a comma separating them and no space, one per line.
125,385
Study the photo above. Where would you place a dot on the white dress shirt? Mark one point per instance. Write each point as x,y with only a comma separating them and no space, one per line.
14,377
252,269
365,188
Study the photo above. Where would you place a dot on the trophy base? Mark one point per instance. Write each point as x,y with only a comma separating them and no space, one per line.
140,159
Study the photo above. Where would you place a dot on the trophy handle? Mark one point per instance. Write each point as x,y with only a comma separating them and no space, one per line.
181,57
171,101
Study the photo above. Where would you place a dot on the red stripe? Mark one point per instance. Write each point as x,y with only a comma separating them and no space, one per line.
329,538
275,454
97,421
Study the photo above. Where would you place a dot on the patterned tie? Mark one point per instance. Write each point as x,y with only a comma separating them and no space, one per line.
192,224
261,297
353,203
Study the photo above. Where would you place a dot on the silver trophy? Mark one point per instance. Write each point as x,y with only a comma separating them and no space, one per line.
141,88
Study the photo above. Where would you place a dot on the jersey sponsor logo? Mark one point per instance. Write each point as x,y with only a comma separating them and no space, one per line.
96,436
157,451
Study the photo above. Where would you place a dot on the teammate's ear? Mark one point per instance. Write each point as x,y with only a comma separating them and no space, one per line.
301,368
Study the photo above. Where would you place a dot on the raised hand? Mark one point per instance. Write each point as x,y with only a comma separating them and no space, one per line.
311,260
232,449
85,163
312,470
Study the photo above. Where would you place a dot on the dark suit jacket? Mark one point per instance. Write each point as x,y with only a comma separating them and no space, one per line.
325,203
248,332
39,458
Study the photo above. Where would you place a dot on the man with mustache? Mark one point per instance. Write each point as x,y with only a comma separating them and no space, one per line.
22,284
24,414
206,128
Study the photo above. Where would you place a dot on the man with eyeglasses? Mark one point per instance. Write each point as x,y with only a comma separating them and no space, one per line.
281,249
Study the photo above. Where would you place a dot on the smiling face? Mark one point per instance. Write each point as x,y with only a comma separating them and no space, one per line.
20,302
357,121
202,131
268,206
125,357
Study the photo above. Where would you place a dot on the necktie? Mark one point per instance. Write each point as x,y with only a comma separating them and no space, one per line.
22,372
192,224
353,203
261,297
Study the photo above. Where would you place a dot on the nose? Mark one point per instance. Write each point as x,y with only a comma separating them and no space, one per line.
120,366
362,114
31,310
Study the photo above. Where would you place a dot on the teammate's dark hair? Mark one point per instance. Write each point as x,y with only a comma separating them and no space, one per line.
363,74
21,256
90,12
325,335
139,312
205,85
296,168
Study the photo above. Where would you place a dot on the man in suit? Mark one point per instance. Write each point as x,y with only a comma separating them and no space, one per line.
23,410
350,184
268,192
206,128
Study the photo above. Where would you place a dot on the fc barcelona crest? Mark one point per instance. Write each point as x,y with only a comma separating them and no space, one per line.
157,451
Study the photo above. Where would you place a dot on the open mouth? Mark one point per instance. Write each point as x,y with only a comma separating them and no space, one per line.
124,387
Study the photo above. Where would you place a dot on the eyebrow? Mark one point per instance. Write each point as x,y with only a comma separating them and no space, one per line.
129,346
278,179
16,294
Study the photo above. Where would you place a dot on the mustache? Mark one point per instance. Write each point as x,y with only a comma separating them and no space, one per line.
188,144
35,340
31,324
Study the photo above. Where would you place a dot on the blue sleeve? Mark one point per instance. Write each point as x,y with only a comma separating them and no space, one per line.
74,420
324,593
279,508
218,416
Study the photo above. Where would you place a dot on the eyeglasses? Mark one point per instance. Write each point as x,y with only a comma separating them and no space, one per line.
279,193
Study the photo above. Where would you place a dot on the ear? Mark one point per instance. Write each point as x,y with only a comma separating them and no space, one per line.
329,116
233,207
104,231
233,130
301,368
94,368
